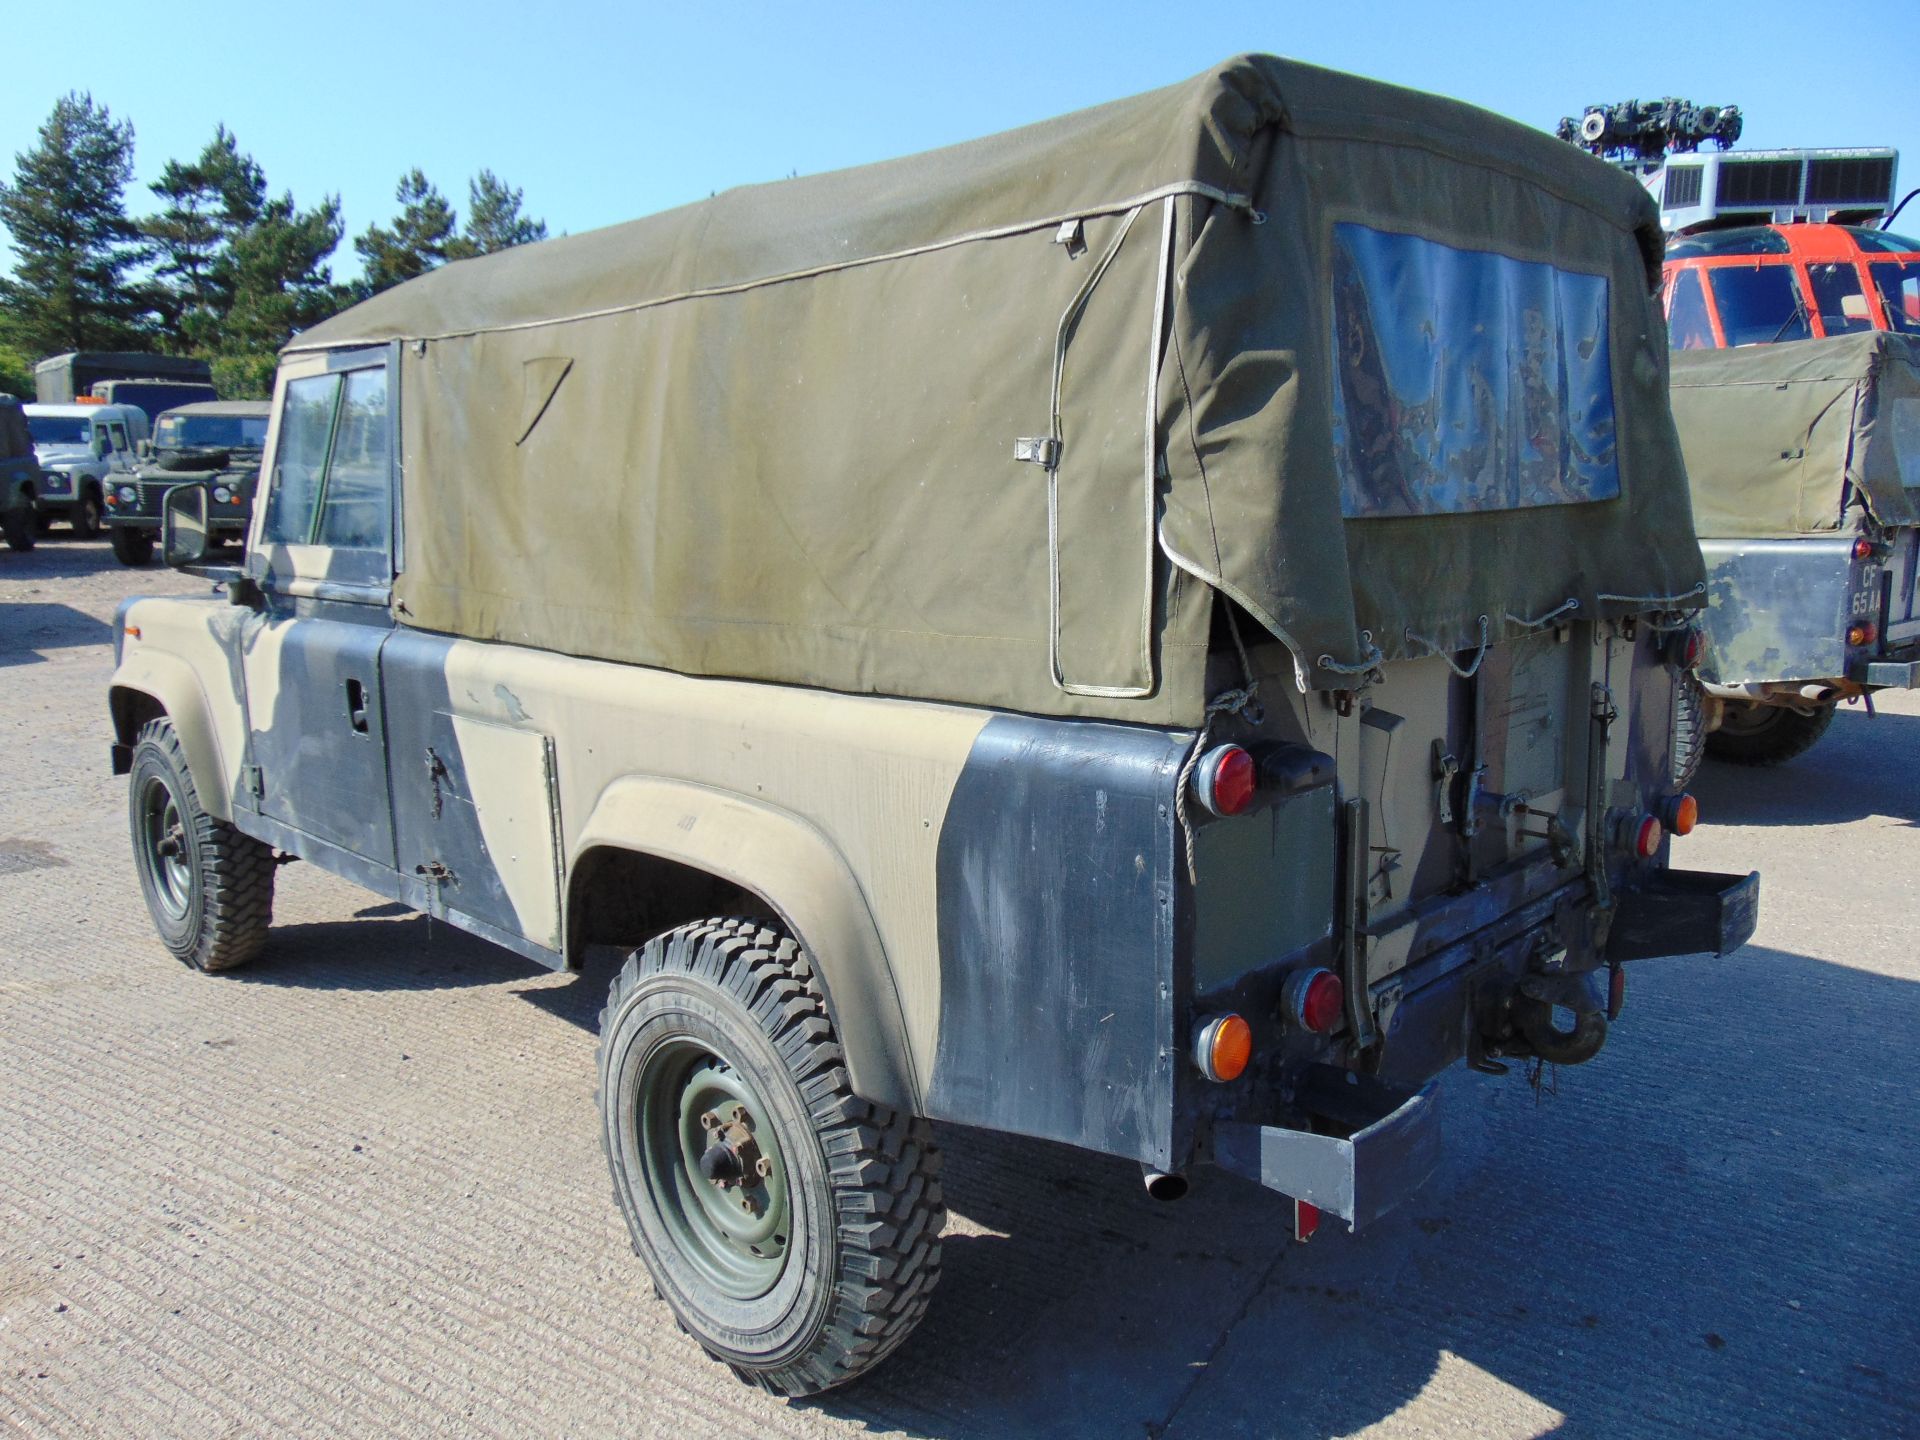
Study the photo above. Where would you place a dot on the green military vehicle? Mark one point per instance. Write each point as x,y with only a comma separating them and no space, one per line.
1805,464
215,441
1156,631
19,477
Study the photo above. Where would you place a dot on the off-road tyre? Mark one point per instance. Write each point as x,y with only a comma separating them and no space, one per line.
87,513
131,546
862,1198
19,528
214,907
1766,734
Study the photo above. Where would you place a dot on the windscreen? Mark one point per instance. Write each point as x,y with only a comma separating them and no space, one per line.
227,432
1761,305
1465,380
60,429
1899,284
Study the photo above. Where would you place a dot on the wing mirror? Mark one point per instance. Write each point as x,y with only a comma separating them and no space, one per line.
183,525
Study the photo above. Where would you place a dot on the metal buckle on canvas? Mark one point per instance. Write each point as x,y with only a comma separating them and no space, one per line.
1041,450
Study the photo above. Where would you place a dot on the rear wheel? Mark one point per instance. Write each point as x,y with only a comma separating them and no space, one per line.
793,1228
208,887
131,546
86,514
19,528
1766,734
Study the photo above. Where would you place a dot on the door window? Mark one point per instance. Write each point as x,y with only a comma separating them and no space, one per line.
306,428
332,475
354,506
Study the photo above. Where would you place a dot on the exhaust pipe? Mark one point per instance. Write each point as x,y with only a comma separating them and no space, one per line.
1162,1186
1819,694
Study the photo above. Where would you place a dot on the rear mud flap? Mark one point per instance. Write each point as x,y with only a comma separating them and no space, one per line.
1685,912
1392,1146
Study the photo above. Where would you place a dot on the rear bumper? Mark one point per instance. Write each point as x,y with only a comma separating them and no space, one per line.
1889,674
1685,912
1390,1145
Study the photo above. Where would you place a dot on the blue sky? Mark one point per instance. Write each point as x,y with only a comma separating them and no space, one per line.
604,112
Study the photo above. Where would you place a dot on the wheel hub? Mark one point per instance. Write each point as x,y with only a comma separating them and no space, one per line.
732,1159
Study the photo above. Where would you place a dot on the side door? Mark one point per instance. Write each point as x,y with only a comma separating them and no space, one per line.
322,555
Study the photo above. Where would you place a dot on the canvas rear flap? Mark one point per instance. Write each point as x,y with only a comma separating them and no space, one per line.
773,435
1780,439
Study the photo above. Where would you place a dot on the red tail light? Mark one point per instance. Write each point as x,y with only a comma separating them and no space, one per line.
1646,837
1687,647
1865,549
1316,999
1224,780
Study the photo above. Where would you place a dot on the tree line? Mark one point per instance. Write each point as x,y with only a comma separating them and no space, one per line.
221,268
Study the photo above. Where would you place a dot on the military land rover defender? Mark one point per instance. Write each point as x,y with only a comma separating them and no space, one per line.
215,441
1158,631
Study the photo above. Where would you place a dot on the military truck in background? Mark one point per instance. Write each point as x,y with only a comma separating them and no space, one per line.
19,477
1796,390
1176,710
64,379
218,442
153,396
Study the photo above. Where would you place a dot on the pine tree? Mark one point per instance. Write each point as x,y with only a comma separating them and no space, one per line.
66,213
494,219
281,280
418,241
210,201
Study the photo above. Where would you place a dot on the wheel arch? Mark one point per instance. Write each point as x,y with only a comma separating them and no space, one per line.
149,685
655,853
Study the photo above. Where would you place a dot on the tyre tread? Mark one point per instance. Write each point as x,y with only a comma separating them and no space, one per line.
881,1164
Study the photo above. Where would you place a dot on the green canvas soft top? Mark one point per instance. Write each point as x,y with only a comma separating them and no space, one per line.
773,435
1781,439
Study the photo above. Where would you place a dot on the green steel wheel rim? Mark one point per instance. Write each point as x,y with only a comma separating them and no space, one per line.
736,1234
164,834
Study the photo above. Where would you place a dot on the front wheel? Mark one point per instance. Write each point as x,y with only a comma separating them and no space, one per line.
131,546
1752,734
86,515
208,887
793,1227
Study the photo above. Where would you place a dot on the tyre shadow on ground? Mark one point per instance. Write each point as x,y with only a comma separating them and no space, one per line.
29,628
1862,766
63,556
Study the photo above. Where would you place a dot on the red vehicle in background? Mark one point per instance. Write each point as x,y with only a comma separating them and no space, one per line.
1765,284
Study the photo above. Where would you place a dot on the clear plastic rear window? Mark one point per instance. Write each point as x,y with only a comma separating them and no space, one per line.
1465,380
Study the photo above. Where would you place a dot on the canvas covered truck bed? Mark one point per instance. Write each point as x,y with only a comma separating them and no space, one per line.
1375,365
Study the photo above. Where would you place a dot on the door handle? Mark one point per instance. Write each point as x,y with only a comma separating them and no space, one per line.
357,706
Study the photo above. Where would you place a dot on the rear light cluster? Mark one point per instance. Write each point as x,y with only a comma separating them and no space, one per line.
1866,549
1315,1000
1686,647
1862,632
1223,1047
1681,813
1640,835
1225,779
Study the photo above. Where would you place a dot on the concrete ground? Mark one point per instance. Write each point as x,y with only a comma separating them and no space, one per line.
356,1189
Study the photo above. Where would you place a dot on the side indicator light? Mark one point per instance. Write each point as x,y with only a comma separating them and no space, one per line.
134,631
1682,814
1315,1000
1863,632
1223,1047
1224,780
